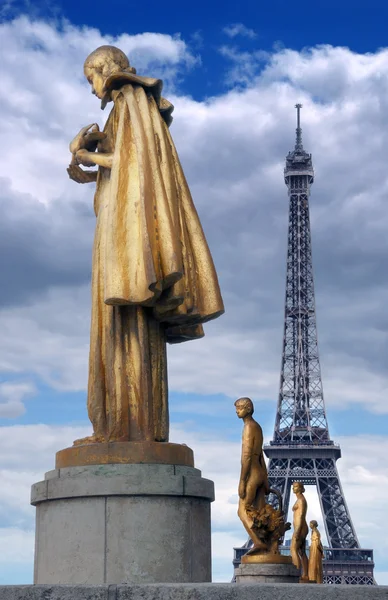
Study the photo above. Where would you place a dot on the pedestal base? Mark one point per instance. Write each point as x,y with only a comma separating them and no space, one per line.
136,523
110,453
267,573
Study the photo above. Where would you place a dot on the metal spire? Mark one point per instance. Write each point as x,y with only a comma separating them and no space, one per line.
299,143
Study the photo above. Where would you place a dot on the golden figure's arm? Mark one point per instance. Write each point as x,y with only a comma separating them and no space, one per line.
89,159
246,458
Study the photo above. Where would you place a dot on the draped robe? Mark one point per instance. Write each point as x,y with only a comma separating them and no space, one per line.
153,278
316,557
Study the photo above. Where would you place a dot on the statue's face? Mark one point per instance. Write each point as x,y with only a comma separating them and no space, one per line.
296,488
242,410
96,80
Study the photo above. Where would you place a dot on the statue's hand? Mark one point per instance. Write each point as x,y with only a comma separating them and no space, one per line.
83,157
242,490
81,138
80,176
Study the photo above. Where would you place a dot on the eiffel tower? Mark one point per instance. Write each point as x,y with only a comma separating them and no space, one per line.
301,449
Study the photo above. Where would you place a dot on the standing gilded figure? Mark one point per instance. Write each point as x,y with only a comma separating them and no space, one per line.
316,554
264,524
153,278
298,541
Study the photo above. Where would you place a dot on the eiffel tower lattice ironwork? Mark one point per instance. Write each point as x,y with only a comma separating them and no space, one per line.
301,449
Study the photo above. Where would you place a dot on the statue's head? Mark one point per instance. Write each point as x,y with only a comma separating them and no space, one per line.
244,407
102,63
298,487
313,524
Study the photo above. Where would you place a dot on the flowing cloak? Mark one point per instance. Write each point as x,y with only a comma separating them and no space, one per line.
316,557
156,251
153,277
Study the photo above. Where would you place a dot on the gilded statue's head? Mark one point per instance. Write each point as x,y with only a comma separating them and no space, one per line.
102,63
298,487
313,524
244,407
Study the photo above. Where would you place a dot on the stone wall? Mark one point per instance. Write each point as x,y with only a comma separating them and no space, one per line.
194,591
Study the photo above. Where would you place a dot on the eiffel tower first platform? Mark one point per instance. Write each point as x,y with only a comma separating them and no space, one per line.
301,449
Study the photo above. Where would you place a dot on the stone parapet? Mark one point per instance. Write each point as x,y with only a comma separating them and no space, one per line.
195,591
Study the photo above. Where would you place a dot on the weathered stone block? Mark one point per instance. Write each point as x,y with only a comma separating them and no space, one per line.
254,573
194,591
123,523
39,492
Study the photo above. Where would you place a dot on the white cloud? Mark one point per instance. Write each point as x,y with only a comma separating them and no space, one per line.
42,74
237,29
19,545
12,395
232,148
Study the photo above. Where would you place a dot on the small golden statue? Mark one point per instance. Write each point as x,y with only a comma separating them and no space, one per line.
264,524
298,542
153,277
316,554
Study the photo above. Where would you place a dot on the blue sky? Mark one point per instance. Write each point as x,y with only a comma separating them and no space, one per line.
234,72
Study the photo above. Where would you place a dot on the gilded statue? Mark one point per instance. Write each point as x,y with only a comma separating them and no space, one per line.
316,554
264,524
298,541
153,277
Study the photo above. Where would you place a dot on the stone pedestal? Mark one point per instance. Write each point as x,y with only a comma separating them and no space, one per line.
267,573
123,523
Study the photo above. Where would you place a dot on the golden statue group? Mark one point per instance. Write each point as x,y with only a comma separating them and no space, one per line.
264,524
153,282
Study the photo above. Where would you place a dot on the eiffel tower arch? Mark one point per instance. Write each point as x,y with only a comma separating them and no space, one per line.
301,448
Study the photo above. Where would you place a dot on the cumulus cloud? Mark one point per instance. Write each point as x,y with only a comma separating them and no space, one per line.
236,29
12,395
232,147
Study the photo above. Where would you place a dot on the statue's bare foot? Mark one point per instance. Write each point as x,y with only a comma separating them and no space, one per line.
91,439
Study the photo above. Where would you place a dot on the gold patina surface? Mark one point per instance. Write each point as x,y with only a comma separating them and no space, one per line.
153,277
125,453
269,558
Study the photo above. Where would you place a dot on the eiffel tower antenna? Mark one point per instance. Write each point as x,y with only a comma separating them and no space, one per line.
298,144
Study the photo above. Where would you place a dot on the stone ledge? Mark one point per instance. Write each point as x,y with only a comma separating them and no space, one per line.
112,470
194,591
122,480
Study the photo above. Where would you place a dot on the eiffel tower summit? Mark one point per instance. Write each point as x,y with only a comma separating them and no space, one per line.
301,448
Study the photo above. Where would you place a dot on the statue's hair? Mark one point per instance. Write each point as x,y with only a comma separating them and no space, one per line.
314,523
300,484
246,402
107,60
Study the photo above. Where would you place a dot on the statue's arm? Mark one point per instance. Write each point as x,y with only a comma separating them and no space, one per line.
320,546
246,459
90,159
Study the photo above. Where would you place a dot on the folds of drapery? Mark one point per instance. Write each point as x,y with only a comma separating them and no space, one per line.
156,253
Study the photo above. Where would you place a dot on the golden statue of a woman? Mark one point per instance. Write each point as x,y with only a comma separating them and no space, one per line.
298,541
316,554
153,278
